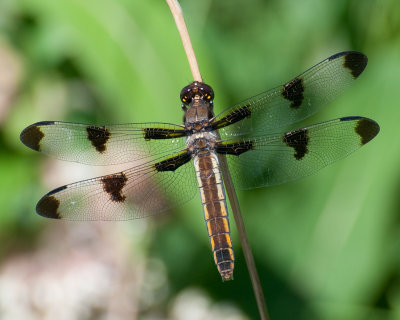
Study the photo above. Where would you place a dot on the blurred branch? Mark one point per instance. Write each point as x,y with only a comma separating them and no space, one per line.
255,280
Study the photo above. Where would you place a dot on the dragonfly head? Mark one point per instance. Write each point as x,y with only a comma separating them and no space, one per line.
197,91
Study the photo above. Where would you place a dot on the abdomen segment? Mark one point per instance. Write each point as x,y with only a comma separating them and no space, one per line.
215,212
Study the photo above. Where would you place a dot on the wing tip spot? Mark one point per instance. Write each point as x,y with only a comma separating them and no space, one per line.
356,63
367,129
48,207
32,136
353,60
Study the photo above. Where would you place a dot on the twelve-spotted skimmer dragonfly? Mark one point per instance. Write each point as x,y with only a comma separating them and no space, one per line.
162,151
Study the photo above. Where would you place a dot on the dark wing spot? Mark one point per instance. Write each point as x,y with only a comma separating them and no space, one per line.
31,137
49,204
113,185
236,148
173,163
162,133
241,113
355,62
235,116
293,91
367,129
98,136
298,140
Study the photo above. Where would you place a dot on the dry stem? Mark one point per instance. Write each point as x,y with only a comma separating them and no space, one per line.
187,44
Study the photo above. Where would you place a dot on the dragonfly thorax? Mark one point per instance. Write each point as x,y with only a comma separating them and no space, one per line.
201,141
197,116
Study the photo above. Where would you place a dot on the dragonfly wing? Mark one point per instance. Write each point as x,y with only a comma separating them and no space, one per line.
140,191
102,145
295,100
274,159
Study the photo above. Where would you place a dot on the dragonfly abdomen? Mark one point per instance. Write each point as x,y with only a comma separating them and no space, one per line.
215,211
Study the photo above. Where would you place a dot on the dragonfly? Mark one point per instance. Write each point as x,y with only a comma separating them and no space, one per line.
171,163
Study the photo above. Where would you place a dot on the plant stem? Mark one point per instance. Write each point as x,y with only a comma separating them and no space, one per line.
248,255
255,280
176,11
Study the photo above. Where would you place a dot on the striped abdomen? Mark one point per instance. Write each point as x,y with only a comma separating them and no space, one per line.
215,211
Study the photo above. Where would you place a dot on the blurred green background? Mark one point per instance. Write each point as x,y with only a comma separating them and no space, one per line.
326,247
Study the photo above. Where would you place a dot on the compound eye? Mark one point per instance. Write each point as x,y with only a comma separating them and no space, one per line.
186,99
186,95
208,97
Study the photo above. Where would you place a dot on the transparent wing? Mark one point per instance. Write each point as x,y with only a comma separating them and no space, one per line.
295,100
275,159
137,192
101,145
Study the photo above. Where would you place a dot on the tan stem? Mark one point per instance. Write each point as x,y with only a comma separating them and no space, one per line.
187,44
248,255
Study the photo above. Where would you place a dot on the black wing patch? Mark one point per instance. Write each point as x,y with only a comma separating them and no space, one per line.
33,135
235,148
113,185
293,91
366,129
235,116
162,133
298,140
98,136
173,163
48,206
356,63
